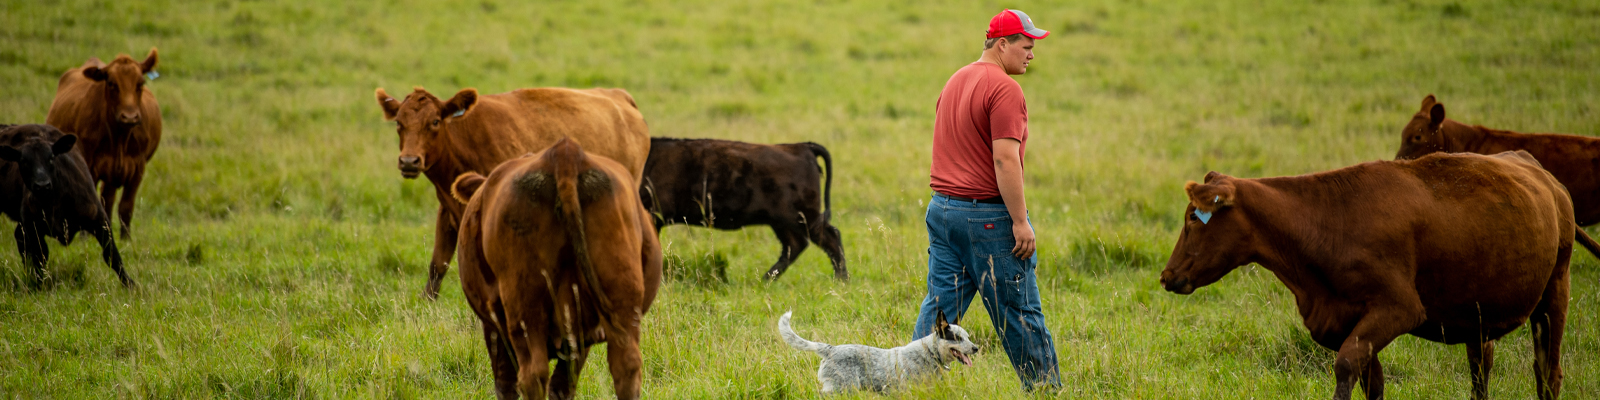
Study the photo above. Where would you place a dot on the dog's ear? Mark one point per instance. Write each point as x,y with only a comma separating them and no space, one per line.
941,326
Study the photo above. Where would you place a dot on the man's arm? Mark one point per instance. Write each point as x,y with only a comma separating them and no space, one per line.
1008,173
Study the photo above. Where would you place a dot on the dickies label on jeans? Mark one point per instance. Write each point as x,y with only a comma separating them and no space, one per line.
988,226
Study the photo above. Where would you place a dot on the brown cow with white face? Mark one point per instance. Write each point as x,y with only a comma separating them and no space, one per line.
117,121
469,132
1570,158
1452,248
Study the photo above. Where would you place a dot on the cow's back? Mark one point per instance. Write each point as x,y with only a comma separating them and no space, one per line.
1488,236
746,183
506,125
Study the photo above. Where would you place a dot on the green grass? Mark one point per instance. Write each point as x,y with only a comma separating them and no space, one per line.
281,255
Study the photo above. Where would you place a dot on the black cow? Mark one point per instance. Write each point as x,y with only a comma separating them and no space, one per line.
728,185
46,188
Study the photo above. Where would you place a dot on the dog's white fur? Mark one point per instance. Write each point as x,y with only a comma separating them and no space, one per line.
853,366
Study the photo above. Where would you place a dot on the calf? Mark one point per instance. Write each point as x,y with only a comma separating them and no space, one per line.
46,188
556,256
728,185
1573,160
117,121
1452,248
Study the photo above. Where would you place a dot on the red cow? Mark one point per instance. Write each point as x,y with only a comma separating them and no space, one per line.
117,121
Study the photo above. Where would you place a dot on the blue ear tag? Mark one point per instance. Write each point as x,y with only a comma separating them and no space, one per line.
1205,217
458,113
152,75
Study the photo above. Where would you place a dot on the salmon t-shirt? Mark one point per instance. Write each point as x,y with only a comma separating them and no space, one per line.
979,104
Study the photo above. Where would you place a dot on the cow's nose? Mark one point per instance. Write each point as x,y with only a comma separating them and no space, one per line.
409,161
128,117
1175,285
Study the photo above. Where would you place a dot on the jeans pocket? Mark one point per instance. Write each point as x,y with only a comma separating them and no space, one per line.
994,229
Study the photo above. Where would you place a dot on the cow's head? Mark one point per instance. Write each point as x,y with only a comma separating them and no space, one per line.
1424,134
34,152
124,86
421,119
1216,236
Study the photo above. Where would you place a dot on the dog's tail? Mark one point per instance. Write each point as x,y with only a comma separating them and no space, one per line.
798,342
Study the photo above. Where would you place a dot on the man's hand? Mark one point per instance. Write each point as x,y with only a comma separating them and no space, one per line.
1023,232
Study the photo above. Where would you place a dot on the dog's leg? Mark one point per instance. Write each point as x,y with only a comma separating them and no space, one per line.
564,382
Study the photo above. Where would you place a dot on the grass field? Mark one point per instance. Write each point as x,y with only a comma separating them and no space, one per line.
280,254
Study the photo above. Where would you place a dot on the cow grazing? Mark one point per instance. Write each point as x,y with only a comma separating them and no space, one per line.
557,255
729,185
117,121
472,133
46,188
1452,248
1570,158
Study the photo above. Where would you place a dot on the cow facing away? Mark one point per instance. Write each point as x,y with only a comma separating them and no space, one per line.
556,256
1570,158
46,188
117,121
729,185
1457,248
444,139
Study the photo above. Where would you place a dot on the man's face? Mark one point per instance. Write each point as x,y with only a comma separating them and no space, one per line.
1016,56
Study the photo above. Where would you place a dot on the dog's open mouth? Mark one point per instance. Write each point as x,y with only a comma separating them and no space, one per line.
963,357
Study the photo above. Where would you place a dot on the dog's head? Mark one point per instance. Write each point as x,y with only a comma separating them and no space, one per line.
953,341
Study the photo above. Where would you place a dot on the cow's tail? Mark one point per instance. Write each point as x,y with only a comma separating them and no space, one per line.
465,186
1588,242
797,342
827,186
576,180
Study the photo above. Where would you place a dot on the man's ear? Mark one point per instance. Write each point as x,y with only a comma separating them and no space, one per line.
64,144
9,154
460,104
149,63
391,107
1435,117
95,74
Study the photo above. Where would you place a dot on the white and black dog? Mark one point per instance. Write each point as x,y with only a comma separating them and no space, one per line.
853,366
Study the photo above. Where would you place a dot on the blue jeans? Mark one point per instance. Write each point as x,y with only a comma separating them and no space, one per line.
969,252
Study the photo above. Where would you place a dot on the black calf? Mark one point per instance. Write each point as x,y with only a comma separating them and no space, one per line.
728,185
46,188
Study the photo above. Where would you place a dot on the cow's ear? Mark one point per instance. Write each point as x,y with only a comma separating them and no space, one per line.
95,74
1428,102
465,186
391,107
149,63
1435,117
461,104
1209,196
64,144
10,154
1213,175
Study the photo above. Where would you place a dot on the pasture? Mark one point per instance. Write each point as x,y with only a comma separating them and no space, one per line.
280,254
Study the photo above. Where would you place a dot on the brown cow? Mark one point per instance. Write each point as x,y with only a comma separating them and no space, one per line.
472,133
1452,248
1574,160
117,121
557,254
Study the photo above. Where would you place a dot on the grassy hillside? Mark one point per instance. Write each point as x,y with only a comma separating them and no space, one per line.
281,254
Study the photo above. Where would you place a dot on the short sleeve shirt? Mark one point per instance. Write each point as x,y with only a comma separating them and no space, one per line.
978,105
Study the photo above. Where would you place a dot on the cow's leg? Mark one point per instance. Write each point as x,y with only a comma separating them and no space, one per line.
444,246
108,197
1548,324
533,360
827,237
108,248
130,191
1480,356
793,238
35,252
1359,352
500,361
622,355
564,382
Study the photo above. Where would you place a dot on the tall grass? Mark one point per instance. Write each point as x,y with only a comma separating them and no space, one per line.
281,255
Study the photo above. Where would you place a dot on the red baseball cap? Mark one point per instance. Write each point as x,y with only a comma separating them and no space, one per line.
1011,22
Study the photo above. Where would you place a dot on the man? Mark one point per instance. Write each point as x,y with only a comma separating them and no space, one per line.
979,237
